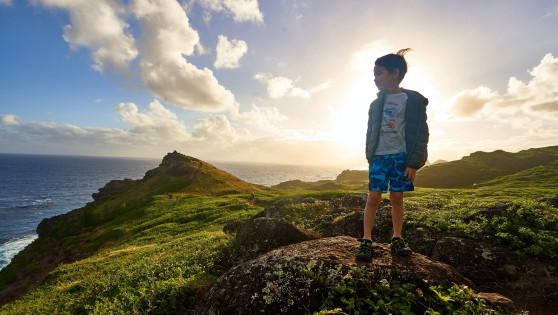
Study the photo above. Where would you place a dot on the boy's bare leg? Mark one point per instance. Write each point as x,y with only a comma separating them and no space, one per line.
372,203
396,199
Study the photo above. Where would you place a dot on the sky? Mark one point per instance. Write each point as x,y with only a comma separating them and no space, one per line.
282,81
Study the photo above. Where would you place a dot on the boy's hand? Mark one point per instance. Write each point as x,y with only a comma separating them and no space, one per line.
410,173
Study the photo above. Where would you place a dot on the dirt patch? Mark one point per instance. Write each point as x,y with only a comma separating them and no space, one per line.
129,249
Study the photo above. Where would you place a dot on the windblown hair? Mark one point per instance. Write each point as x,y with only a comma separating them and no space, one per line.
394,61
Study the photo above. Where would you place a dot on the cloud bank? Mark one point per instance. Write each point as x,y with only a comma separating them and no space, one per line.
536,97
158,131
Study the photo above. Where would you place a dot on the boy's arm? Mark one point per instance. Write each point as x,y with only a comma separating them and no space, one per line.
420,152
368,132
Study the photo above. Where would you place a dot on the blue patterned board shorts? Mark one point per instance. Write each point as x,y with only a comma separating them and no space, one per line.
389,168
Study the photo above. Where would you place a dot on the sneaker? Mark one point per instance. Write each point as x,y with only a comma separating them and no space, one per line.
365,249
400,246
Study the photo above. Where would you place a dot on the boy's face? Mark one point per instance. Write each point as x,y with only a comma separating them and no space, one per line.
385,80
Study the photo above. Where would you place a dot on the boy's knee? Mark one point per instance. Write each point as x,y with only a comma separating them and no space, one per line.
374,198
396,198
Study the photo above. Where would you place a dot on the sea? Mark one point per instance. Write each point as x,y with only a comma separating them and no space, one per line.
34,187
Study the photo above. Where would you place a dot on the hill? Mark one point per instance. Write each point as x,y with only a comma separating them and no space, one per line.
479,167
121,211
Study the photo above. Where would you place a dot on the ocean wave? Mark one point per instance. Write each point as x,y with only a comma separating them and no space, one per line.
10,248
40,202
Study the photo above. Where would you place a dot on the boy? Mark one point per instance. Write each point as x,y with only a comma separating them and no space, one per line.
396,147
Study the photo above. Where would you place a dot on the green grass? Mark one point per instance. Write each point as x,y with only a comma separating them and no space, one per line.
161,267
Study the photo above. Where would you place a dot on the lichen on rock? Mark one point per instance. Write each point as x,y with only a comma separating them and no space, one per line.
275,282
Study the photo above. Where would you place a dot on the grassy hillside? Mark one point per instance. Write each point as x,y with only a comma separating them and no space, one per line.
153,208
162,258
484,166
151,248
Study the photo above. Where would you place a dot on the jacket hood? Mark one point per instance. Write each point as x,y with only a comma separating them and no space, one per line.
410,93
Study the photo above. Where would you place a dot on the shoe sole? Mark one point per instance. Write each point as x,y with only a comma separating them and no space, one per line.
360,257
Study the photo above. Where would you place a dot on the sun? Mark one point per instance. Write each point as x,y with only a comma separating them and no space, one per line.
349,119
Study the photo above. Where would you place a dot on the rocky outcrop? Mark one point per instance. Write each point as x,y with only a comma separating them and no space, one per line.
497,269
423,240
488,212
260,235
497,300
273,283
351,222
553,201
113,188
482,262
353,175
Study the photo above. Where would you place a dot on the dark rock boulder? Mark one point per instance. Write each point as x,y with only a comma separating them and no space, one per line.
423,240
258,236
354,201
349,225
553,201
273,283
233,227
352,224
497,300
482,262
491,211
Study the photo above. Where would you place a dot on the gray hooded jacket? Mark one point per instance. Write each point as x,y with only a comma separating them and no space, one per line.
416,128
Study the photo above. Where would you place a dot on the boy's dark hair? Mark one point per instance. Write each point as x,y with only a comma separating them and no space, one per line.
393,61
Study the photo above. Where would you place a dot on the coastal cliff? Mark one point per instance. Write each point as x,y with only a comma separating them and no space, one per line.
86,231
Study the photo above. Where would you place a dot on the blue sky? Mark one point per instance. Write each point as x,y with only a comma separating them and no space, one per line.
270,81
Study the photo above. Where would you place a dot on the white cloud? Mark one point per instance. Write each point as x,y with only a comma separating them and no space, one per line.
320,87
229,52
167,38
278,87
214,129
6,2
537,97
265,118
159,123
9,120
241,10
99,27
471,102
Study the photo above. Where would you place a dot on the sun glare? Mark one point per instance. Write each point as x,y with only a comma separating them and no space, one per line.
349,119
418,80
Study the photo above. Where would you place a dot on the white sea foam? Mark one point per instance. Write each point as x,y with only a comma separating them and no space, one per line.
9,249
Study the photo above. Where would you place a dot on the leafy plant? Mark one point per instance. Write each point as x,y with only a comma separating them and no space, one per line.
359,292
